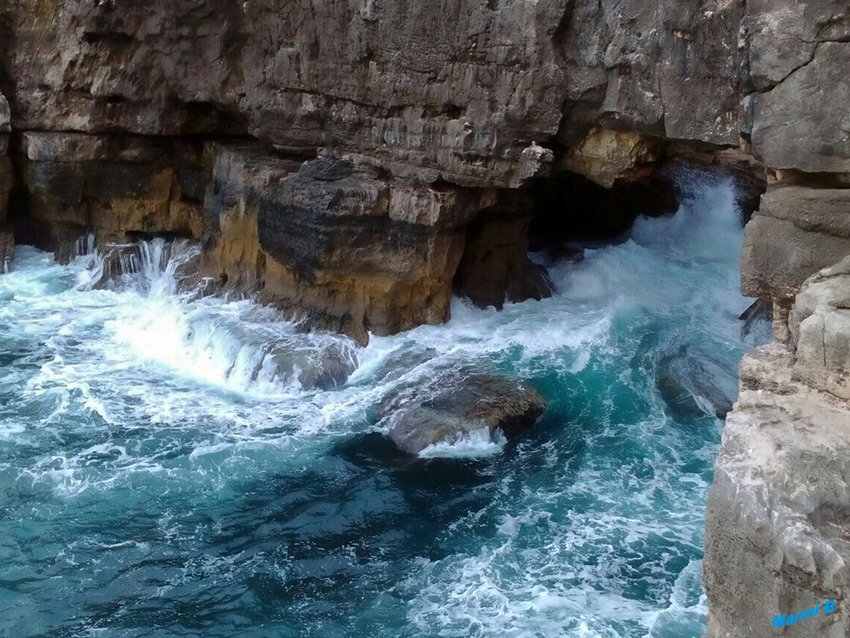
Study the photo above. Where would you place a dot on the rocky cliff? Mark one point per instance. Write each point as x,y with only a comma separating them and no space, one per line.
778,519
194,118
358,162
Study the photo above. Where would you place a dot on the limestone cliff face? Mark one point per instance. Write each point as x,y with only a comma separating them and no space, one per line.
125,113
778,516
357,162
778,519
458,91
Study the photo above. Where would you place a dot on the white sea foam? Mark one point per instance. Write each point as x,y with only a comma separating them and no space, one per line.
589,527
478,443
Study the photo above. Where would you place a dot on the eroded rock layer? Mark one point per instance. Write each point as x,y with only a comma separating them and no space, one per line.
777,524
7,241
116,184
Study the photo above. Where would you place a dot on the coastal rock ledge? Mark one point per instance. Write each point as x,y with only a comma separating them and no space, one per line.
458,408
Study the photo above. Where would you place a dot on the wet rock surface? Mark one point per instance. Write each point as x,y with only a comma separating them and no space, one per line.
337,243
691,383
7,181
495,267
451,409
117,185
179,118
318,369
7,251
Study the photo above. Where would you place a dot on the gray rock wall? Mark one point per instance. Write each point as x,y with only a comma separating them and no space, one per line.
457,91
778,518
439,106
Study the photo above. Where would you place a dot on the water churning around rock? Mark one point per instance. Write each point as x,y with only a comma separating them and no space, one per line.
180,465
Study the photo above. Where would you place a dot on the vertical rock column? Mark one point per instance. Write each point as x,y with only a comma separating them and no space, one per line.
7,239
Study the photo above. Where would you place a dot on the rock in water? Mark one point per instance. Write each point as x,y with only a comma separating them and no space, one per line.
459,406
693,382
317,369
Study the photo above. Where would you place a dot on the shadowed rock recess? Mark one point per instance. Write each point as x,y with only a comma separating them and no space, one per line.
357,163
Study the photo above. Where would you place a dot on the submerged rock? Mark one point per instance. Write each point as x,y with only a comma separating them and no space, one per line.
459,407
693,382
319,369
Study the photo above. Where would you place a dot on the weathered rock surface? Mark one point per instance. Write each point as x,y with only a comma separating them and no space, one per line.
820,327
7,240
778,520
606,155
421,99
336,241
796,232
692,382
178,117
117,185
495,267
7,251
452,408
463,90
779,511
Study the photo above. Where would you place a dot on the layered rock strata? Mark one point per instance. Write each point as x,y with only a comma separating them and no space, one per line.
778,519
117,185
466,103
338,243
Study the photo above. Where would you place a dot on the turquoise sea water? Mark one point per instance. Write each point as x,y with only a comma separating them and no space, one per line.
160,475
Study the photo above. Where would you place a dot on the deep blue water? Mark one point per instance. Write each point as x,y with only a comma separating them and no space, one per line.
161,476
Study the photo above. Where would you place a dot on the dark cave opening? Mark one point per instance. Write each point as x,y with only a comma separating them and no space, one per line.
570,211
557,216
